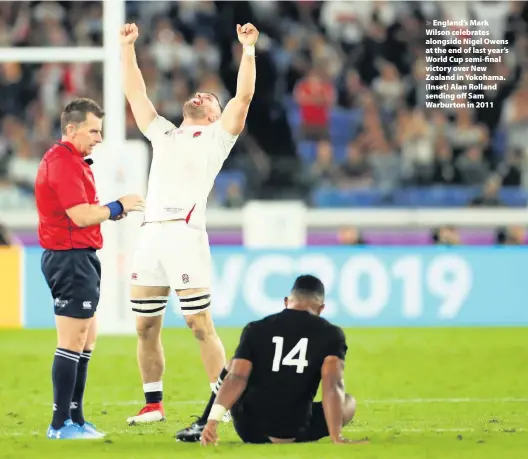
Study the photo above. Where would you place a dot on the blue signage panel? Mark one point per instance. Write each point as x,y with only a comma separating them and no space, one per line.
372,286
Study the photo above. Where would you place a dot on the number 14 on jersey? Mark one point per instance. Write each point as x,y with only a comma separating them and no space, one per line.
295,358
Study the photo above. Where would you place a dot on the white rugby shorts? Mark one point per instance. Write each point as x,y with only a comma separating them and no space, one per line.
172,254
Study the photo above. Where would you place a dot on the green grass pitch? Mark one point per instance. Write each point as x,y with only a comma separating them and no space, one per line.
422,393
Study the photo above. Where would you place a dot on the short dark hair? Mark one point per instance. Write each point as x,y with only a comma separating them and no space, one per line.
217,99
308,285
77,110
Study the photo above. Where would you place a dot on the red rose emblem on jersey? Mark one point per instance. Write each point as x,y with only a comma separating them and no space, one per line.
197,134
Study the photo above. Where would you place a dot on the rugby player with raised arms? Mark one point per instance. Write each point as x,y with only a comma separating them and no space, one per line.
173,250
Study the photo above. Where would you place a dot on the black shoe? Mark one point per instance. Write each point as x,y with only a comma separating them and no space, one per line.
192,433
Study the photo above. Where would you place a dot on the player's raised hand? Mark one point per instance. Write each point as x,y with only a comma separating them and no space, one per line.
132,203
209,435
247,34
129,34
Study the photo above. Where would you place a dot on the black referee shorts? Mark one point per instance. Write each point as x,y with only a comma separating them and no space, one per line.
315,427
74,278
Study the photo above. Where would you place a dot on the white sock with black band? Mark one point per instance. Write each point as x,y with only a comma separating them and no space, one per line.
215,387
153,392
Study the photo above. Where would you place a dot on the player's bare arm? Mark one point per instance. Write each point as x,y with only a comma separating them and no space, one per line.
333,396
234,383
234,116
233,387
134,84
84,215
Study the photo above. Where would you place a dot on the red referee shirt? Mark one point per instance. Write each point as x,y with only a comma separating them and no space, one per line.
65,180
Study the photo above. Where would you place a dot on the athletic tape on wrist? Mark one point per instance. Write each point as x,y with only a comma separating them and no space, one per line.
249,50
116,208
217,413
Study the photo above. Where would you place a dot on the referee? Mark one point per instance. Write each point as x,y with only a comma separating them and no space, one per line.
69,230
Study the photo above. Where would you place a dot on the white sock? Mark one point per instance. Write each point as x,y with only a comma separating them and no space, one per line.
153,387
215,386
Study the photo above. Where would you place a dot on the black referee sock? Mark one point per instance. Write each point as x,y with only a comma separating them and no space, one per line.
63,375
212,398
78,391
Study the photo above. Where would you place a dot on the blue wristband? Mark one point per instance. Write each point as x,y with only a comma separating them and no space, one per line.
116,208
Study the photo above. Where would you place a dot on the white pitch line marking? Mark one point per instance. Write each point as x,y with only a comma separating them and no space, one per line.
350,429
447,400
392,401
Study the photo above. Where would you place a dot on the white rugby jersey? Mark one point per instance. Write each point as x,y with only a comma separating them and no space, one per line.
185,163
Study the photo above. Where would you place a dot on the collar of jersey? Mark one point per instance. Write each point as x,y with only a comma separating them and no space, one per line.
69,146
194,126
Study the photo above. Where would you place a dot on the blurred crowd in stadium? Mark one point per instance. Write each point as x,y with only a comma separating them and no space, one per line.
338,117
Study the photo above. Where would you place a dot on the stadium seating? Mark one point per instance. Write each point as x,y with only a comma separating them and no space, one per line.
344,124
281,63
225,179
412,197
